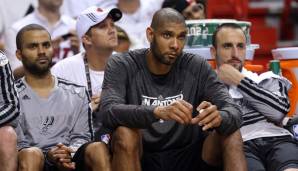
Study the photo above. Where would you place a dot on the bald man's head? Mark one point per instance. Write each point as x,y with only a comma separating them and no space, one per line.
166,15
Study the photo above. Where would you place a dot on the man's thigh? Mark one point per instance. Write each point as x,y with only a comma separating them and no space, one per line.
253,156
79,157
253,159
47,165
284,154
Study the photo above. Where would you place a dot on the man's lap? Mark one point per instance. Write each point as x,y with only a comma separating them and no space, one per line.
187,158
182,159
276,153
78,158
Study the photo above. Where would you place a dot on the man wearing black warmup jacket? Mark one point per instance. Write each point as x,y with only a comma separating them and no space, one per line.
170,99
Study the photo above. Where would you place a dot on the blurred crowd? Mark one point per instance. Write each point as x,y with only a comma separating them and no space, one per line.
59,18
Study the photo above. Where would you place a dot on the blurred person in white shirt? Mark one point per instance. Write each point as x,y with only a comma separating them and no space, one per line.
61,28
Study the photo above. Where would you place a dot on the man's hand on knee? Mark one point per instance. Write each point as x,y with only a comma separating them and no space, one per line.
179,111
208,116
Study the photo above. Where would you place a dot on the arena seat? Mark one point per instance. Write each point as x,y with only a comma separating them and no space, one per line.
287,67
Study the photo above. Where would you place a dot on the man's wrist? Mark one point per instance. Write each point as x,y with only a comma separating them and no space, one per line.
49,160
156,112
239,78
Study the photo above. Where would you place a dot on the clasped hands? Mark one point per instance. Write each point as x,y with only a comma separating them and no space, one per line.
61,157
181,111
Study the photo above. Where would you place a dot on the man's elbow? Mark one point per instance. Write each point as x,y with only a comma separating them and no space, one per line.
107,120
230,124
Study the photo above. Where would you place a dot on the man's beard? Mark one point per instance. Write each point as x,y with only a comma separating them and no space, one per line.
158,56
239,69
35,69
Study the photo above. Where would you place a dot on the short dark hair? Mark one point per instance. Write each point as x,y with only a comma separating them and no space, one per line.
29,27
166,15
180,5
224,25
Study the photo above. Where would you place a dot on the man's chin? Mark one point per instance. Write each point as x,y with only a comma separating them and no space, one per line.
236,66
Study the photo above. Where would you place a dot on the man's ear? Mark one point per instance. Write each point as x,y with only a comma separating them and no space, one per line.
213,55
86,40
213,52
19,54
149,34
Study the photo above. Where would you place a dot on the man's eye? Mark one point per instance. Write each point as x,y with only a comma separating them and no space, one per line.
32,46
182,37
47,45
226,46
166,35
241,46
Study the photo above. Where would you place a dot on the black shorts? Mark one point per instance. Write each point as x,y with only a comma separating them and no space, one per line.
271,153
78,158
184,159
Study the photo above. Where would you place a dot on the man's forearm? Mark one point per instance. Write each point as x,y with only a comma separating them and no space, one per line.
132,116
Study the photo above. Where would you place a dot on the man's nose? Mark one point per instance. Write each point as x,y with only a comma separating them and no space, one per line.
41,49
175,44
235,51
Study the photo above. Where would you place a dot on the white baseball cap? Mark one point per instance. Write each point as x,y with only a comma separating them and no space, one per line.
94,15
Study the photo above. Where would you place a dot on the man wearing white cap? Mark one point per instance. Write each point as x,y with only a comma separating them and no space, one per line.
95,27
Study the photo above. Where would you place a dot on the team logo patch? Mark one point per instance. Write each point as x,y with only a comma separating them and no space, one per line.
160,101
295,131
3,59
47,123
26,97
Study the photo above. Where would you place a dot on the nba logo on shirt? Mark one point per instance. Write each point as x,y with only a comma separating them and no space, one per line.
295,131
105,138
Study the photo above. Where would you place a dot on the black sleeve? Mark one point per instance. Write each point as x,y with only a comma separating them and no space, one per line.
9,102
114,108
217,93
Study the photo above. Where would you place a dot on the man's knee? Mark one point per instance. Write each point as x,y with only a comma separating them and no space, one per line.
127,140
8,136
29,155
215,145
96,150
291,170
233,140
8,140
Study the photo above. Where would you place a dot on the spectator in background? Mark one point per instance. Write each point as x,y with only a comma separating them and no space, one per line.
123,41
73,8
55,127
48,15
9,111
264,103
190,9
137,15
11,11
